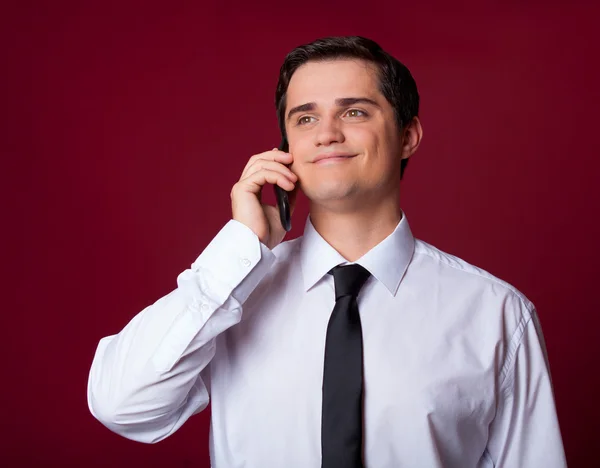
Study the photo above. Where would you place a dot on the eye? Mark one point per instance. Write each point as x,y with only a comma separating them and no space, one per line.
305,120
356,113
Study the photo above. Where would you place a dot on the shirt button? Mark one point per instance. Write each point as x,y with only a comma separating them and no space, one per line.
204,306
245,262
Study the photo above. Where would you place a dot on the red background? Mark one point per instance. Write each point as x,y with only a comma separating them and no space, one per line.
124,127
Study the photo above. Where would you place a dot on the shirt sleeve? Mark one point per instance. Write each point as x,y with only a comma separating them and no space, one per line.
146,381
525,431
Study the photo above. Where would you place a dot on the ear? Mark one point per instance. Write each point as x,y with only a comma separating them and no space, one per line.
412,134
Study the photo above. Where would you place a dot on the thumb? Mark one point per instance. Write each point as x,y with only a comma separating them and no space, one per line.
292,197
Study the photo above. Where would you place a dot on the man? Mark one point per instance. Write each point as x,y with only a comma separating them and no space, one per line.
401,356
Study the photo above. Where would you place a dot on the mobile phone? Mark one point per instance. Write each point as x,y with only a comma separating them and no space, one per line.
283,201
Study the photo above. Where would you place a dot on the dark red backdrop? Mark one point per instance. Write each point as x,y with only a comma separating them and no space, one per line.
125,126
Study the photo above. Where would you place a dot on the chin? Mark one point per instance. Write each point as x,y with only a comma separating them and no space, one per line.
331,192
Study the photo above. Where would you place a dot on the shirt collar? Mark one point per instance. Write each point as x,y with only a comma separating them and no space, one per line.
387,261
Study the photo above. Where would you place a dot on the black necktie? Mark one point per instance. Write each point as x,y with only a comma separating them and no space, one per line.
342,424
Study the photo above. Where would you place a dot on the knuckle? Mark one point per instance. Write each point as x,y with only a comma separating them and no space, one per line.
252,161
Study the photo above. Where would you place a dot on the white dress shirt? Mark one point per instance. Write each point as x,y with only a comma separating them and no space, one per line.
455,369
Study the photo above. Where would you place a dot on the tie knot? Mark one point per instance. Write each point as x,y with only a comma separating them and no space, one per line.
348,279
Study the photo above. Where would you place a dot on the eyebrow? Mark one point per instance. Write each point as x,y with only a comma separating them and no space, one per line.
342,102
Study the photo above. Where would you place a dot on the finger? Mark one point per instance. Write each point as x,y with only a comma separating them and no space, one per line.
278,156
270,155
274,155
272,166
256,181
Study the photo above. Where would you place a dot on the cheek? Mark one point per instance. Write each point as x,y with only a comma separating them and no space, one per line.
302,153
376,140
386,146
362,138
299,143
372,145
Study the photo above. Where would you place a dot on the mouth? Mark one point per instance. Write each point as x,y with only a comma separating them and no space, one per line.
332,157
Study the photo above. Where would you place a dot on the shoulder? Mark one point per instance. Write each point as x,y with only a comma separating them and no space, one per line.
489,304
444,267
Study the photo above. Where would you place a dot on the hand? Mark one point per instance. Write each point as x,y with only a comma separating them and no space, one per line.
246,203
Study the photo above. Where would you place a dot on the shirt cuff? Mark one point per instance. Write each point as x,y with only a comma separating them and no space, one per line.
236,259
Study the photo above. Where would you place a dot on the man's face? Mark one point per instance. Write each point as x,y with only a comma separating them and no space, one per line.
336,108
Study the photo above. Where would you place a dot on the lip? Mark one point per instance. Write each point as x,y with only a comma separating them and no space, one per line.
324,156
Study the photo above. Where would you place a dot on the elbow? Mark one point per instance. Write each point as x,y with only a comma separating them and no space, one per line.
122,419
144,410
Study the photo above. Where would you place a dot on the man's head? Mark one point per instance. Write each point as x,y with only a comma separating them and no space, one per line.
346,95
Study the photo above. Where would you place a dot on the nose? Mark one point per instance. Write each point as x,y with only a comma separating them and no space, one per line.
329,131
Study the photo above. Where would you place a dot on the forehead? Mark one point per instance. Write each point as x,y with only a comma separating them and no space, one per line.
326,81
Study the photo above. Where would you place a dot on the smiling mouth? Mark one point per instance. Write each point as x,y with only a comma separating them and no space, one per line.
332,159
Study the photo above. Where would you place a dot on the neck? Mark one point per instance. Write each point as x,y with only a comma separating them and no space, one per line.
353,231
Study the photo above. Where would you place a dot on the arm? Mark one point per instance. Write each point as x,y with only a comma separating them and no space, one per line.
145,382
525,431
